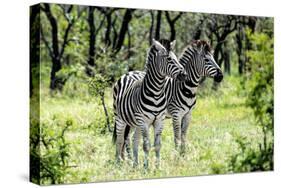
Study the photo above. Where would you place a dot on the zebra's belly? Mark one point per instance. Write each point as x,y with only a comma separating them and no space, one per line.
176,109
139,118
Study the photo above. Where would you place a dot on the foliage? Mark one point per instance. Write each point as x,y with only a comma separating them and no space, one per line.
260,99
250,160
50,152
97,87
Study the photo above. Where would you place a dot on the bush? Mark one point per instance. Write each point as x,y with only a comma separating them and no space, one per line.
259,83
97,87
49,152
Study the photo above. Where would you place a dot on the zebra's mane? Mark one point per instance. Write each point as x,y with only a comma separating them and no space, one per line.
198,46
167,45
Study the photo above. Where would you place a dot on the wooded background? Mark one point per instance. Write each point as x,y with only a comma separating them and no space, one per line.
80,36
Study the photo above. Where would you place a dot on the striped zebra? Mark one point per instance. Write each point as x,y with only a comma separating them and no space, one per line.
198,62
143,102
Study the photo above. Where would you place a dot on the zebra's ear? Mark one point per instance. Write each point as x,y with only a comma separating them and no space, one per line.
173,44
157,45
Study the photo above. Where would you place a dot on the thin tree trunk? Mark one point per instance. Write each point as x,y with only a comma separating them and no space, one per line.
227,64
56,62
123,30
151,27
218,59
106,113
172,23
217,51
239,38
92,41
158,25
34,45
55,52
108,14
198,31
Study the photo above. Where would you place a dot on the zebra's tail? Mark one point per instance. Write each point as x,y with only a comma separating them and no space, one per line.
126,134
127,131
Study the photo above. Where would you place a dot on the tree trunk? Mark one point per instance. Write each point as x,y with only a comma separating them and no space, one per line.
123,30
54,81
158,25
198,31
92,39
151,27
227,65
172,23
92,42
217,51
56,61
218,59
239,39
252,23
34,45
173,33
106,114
108,27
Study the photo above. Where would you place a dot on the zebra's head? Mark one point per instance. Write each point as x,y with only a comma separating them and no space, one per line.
167,62
202,60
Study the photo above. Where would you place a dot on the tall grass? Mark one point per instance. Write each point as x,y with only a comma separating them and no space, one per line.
220,117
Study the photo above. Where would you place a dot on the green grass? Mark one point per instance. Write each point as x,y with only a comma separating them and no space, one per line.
217,120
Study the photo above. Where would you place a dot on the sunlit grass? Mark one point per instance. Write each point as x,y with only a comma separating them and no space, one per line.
218,119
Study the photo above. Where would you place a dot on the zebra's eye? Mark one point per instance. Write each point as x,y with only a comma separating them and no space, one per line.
206,59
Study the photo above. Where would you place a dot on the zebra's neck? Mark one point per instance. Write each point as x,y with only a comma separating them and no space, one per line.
188,60
153,82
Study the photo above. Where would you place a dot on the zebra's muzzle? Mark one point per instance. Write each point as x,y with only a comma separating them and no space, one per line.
219,76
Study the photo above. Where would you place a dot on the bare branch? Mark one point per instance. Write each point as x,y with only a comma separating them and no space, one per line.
101,24
65,38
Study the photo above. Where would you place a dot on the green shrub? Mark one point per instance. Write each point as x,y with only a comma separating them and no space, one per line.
259,84
49,152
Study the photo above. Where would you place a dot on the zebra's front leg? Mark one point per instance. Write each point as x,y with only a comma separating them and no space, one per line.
185,122
136,140
177,131
120,129
146,143
158,127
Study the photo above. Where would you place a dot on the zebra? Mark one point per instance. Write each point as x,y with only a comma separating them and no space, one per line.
143,102
198,61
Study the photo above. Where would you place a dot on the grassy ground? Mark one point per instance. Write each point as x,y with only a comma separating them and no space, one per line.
218,119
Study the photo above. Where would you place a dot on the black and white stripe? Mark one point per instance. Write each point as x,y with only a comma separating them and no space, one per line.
140,103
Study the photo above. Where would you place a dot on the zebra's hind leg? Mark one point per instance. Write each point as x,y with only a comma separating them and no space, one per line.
158,127
120,129
136,140
127,146
177,131
185,122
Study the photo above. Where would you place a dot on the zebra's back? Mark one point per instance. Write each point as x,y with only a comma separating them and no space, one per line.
122,85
